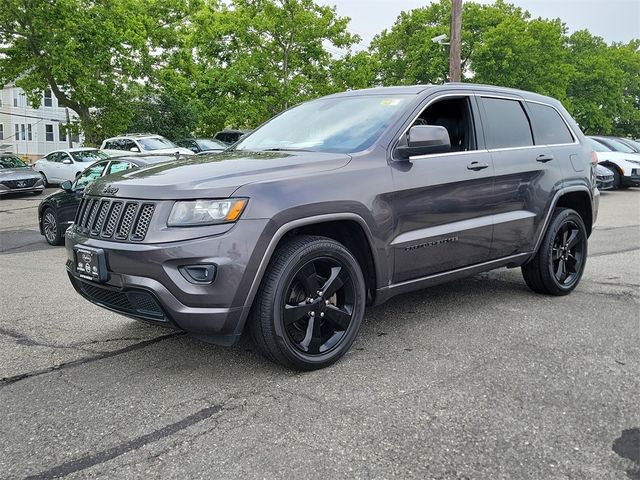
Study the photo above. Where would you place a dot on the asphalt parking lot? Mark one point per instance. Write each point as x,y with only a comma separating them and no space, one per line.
476,379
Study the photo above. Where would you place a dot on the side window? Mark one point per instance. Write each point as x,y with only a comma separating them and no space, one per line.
548,126
507,124
454,114
52,157
110,145
128,145
90,174
116,167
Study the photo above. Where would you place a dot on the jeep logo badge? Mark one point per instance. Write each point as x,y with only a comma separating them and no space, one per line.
109,190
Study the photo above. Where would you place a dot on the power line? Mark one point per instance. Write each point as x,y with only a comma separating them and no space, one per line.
31,116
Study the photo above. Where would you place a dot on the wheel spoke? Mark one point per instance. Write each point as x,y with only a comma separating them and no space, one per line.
561,271
293,313
572,264
573,238
308,277
333,284
565,235
313,339
555,253
338,317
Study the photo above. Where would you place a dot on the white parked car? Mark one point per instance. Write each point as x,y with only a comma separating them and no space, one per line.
625,166
61,165
142,144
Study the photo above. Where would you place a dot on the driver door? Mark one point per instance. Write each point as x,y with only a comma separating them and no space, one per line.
66,167
69,203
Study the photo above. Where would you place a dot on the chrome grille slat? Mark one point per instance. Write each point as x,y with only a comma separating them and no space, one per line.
114,216
143,222
102,215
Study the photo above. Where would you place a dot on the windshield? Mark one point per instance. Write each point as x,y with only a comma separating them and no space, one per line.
340,124
619,146
89,156
155,143
11,162
597,146
208,144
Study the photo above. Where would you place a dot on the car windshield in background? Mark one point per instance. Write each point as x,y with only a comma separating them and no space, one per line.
619,146
89,156
155,143
11,162
597,146
209,144
340,124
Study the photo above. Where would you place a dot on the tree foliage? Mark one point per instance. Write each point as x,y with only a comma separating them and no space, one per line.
180,67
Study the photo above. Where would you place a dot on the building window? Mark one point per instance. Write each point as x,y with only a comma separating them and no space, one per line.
22,130
48,132
29,133
17,134
48,99
75,137
1,132
15,98
62,132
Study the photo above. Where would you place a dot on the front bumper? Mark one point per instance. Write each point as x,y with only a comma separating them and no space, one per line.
4,190
144,280
605,183
632,180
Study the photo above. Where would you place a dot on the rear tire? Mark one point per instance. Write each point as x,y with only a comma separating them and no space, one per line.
557,267
310,305
617,180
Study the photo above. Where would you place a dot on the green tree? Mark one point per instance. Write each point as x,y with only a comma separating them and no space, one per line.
256,58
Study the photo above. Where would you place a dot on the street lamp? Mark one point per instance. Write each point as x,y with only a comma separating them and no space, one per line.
441,39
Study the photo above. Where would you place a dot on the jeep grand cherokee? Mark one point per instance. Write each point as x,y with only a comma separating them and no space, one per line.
338,202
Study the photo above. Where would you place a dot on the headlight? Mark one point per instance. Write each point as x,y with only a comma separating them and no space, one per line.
206,212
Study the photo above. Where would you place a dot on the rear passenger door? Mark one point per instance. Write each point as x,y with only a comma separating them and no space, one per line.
526,175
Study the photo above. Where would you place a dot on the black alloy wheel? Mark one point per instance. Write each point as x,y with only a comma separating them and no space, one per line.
318,305
559,263
567,254
310,304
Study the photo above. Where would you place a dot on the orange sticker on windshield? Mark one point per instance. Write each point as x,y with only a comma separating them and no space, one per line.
390,102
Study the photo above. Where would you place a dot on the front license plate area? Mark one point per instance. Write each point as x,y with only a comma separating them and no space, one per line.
90,263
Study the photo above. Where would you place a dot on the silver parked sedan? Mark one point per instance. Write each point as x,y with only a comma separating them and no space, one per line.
17,177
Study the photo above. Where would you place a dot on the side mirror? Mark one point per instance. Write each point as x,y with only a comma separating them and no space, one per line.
194,149
66,185
134,149
424,139
67,161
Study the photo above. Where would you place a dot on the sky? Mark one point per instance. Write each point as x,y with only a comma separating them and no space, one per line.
613,20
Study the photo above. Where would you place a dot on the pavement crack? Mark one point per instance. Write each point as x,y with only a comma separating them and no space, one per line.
81,361
103,456
614,252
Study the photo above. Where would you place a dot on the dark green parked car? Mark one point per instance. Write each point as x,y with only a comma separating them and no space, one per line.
57,211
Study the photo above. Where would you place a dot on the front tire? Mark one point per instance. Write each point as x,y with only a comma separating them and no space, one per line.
310,305
51,228
45,182
557,267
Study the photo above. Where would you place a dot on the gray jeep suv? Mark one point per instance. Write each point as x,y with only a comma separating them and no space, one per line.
338,202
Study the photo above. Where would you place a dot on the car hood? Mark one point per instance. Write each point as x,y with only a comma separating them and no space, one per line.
213,176
17,173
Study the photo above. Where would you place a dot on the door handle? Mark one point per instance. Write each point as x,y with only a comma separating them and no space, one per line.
544,158
477,166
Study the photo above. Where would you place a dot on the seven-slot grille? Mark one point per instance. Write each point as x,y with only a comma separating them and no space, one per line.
117,219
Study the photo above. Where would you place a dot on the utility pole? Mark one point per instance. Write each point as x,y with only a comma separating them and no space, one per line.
68,128
455,68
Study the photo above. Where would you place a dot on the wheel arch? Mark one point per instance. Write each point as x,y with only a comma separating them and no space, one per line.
346,228
577,198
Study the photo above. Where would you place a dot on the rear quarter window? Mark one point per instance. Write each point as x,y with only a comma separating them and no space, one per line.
548,126
507,123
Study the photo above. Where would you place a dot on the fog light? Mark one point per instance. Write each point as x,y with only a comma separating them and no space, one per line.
199,274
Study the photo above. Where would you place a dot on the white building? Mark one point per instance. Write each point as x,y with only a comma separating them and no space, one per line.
29,132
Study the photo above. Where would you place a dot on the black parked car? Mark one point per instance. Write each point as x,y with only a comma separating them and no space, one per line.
203,145
57,211
229,136
632,144
17,177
